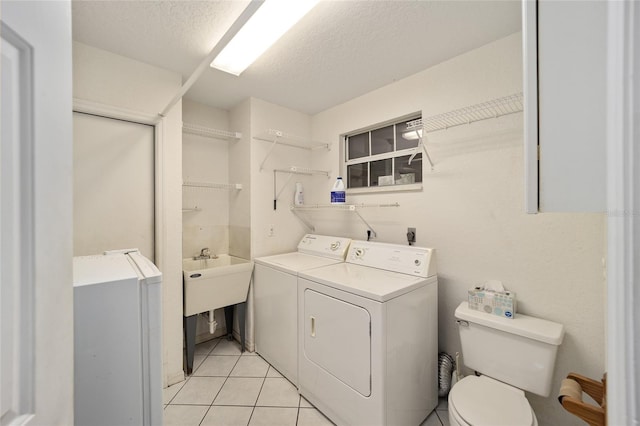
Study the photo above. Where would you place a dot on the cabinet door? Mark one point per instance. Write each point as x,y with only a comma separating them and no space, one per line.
565,52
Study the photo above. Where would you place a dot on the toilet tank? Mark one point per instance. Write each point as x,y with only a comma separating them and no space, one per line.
520,351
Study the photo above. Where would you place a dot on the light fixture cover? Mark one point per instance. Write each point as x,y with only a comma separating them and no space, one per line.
412,135
264,28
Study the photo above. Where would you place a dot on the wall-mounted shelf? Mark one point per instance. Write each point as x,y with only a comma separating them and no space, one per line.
278,137
494,108
338,207
191,209
293,170
483,111
195,129
211,185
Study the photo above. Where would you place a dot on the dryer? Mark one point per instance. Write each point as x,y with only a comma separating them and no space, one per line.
368,342
275,282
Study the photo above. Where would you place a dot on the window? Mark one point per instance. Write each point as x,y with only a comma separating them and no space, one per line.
381,156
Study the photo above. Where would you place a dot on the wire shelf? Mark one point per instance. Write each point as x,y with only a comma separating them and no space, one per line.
297,210
302,171
490,109
196,129
350,207
210,185
283,138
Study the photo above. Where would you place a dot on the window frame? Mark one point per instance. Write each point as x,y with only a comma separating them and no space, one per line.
368,159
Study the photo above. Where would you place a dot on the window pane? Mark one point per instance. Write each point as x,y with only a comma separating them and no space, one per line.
406,138
382,140
358,176
408,173
381,173
358,146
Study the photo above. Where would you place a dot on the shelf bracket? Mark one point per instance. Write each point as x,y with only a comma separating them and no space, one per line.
306,223
291,171
277,134
373,233
424,148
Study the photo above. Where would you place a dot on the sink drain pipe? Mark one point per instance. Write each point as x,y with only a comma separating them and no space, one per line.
213,324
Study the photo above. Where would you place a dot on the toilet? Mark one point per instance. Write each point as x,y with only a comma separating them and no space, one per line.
511,356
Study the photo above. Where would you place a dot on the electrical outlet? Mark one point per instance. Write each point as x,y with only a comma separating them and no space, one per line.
411,235
271,231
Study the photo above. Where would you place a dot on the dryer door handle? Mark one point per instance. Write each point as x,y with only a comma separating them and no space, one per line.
313,326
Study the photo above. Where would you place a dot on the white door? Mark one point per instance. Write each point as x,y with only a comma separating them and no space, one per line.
113,185
337,338
36,309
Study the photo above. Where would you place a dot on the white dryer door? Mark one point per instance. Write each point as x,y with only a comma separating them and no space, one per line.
337,338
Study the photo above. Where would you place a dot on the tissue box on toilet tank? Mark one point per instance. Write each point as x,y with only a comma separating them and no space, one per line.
501,303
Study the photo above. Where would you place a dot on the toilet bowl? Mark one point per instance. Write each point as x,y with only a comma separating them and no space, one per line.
483,401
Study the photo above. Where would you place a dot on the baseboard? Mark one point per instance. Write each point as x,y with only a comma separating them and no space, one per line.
174,378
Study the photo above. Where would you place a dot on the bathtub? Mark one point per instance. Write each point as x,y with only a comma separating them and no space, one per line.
214,283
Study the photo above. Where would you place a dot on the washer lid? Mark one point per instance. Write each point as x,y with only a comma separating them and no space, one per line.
482,401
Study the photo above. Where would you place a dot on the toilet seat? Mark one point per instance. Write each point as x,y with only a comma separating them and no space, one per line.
482,401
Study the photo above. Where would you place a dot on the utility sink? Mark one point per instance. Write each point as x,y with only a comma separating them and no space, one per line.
215,283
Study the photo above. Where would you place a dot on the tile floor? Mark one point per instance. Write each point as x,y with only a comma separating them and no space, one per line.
228,387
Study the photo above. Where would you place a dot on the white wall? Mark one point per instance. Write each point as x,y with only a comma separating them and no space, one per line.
205,159
239,172
287,229
471,209
129,86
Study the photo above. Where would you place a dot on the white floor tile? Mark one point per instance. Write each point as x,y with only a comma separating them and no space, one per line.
432,420
444,417
169,392
250,366
304,403
227,347
276,400
239,391
205,347
217,365
274,416
197,361
312,417
227,416
184,415
273,372
278,393
199,390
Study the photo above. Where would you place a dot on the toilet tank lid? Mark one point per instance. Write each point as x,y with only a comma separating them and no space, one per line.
523,325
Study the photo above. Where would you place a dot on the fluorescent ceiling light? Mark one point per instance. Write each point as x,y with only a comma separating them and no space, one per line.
264,28
412,135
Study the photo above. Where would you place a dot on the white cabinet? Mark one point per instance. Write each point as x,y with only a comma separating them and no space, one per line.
565,95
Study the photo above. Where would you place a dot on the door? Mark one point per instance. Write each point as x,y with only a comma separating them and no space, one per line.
337,338
113,185
36,292
565,64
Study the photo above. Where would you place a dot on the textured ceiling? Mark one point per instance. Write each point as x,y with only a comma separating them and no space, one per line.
340,50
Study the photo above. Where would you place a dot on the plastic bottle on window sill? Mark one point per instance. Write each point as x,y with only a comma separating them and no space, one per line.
337,192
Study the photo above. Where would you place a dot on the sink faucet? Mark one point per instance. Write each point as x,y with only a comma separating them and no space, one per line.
205,253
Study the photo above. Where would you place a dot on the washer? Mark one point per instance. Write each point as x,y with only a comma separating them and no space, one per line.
368,335
275,283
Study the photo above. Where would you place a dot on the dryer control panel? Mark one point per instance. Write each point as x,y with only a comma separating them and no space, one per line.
411,260
324,245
